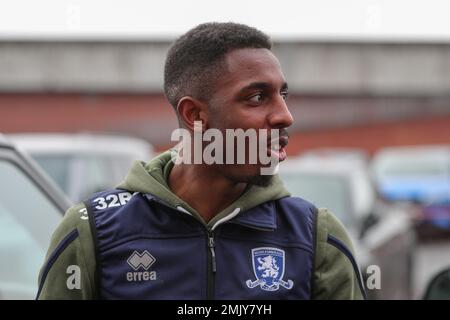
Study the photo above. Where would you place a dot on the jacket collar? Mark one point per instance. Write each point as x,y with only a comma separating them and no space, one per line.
262,217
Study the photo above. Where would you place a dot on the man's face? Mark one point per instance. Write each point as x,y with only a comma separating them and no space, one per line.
250,93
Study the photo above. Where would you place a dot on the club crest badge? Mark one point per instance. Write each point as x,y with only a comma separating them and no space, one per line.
268,266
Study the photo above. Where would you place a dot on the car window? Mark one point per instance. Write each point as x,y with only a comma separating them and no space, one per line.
327,191
411,166
27,220
57,167
415,169
122,165
97,174
80,175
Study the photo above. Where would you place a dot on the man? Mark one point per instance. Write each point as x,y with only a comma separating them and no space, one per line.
206,230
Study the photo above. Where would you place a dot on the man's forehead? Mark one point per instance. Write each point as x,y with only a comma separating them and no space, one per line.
252,65
245,55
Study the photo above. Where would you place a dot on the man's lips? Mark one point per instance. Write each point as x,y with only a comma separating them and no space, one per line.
279,143
277,147
279,154
284,140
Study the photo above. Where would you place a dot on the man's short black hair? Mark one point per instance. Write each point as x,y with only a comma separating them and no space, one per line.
194,61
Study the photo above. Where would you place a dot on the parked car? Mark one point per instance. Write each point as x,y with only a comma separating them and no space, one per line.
82,164
31,206
381,233
420,174
439,286
432,226
433,221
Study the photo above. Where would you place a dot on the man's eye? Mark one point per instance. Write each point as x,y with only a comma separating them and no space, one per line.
284,94
257,98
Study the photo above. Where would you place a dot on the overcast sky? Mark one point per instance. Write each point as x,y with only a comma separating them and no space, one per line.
427,20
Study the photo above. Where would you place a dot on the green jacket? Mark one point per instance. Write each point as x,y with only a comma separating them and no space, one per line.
334,276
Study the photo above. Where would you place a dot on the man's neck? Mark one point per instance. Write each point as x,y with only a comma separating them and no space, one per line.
204,189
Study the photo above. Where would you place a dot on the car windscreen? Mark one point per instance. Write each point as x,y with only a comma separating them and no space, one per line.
412,166
80,175
415,169
27,221
56,166
329,191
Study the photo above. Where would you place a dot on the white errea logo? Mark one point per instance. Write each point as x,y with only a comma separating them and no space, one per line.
139,261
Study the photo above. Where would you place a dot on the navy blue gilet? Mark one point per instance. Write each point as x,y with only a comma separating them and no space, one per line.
147,249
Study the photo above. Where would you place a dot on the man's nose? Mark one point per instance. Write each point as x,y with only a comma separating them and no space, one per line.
280,117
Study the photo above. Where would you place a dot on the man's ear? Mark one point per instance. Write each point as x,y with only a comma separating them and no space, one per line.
190,110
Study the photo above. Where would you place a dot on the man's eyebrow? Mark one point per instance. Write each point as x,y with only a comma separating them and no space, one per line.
262,86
